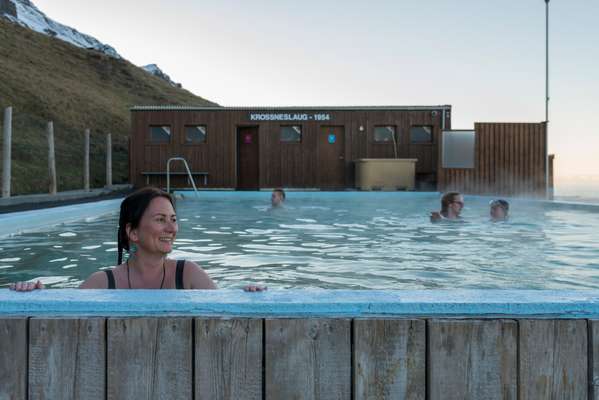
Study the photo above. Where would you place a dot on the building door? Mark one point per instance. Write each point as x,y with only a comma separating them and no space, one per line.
331,157
423,147
248,172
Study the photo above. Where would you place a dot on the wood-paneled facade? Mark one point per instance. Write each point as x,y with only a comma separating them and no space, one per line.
509,160
311,163
244,150
298,358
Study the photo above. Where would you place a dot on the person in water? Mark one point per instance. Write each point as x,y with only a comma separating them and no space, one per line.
452,204
277,198
499,210
148,223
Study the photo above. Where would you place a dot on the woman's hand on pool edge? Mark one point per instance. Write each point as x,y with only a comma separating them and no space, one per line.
255,288
26,286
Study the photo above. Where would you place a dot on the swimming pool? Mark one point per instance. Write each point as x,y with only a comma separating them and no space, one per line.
336,240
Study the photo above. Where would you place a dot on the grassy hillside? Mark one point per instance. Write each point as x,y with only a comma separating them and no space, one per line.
45,79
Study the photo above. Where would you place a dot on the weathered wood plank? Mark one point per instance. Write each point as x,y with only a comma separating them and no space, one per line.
389,359
149,358
594,359
472,359
228,359
13,358
308,359
67,358
553,359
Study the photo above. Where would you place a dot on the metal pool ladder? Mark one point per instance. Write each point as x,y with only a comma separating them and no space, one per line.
168,174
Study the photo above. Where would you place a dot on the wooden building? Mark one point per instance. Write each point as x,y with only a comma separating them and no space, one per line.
316,147
307,147
508,159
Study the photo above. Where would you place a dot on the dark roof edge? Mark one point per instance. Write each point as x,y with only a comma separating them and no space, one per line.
278,108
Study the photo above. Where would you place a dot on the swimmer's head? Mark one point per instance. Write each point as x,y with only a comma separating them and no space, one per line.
452,204
277,197
499,209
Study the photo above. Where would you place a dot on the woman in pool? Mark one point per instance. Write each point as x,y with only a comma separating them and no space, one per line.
148,221
452,204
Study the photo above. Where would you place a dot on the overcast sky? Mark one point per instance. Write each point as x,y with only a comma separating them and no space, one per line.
485,58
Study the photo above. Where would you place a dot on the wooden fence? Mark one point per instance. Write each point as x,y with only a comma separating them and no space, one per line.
509,160
317,358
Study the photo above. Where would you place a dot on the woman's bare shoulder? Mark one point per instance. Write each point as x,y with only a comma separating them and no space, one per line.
97,280
196,278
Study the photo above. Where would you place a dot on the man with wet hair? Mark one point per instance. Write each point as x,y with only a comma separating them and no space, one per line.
277,198
452,204
499,210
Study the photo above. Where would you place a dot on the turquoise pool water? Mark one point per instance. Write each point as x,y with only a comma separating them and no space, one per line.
337,240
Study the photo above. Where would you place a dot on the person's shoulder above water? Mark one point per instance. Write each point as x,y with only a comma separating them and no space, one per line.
437,217
195,277
97,280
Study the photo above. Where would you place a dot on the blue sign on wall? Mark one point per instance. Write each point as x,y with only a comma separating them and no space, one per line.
332,138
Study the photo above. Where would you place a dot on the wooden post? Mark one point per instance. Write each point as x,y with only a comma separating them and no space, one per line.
108,161
6,152
553,359
67,358
86,161
389,359
233,347
307,358
473,359
13,358
150,358
51,159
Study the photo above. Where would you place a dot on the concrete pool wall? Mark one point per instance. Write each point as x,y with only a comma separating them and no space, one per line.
304,344
33,220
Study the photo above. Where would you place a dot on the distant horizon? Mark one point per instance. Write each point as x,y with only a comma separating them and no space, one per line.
486,60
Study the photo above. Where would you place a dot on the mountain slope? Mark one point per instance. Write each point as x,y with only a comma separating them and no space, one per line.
47,79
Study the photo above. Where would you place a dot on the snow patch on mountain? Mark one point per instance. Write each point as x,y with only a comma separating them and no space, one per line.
26,14
29,16
154,70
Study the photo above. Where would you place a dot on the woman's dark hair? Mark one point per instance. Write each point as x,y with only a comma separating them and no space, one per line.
132,209
447,199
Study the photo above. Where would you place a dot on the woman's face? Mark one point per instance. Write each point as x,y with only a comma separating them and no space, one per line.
157,228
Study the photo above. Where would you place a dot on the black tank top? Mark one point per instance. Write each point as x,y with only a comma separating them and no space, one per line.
178,276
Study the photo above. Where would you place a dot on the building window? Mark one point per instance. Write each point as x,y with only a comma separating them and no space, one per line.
458,149
195,134
291,134
421,134
384,134
160,134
